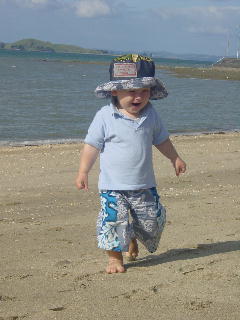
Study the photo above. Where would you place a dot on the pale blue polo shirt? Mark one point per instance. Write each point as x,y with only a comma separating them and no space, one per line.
125,146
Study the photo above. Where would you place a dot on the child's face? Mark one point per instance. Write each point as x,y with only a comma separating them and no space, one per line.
132,101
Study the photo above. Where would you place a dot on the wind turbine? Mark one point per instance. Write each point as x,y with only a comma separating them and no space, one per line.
238,40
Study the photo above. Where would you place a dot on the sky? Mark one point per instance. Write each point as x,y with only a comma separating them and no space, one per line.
189,26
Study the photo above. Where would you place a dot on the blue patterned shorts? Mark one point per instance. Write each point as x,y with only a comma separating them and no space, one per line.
147,215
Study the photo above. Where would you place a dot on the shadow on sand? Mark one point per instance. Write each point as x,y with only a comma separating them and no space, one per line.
202,250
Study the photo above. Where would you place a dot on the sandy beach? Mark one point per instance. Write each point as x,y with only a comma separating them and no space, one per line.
51,267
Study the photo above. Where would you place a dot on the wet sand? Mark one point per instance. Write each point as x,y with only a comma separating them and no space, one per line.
52,269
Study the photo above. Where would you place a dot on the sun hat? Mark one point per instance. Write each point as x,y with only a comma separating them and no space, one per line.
132,71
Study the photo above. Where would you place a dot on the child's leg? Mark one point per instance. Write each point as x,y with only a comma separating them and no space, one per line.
132,250
115,262
113,229
149,217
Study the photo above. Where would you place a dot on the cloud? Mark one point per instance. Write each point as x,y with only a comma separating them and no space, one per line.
92,8
82,8
214,30
208,20
32,3
190,13
35,3
222,0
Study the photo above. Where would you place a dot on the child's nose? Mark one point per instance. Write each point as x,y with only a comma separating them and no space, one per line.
138,95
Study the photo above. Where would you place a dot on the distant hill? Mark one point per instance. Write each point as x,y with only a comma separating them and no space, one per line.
187,56
170,55
38,45
45,46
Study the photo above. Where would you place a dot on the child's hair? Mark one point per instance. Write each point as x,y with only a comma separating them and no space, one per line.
114,101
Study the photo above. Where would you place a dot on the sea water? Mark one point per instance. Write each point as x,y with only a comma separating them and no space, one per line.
49,98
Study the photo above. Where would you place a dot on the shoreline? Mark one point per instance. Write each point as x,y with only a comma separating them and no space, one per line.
79,141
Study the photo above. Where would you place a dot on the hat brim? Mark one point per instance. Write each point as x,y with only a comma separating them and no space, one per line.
158,90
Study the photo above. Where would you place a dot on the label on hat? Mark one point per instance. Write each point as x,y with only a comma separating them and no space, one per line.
125,70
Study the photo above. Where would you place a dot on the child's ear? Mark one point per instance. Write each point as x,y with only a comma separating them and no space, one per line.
114,93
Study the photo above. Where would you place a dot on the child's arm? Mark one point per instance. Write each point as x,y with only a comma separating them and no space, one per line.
168,150
88,157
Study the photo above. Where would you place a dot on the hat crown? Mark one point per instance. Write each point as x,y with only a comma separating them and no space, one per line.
131,66
130,72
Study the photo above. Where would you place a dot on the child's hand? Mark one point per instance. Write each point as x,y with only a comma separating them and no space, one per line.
179,165
82,181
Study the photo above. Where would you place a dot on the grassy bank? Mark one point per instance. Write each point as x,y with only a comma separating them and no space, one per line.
218,73
212,72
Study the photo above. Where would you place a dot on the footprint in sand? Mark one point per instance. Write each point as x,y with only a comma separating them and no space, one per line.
198,304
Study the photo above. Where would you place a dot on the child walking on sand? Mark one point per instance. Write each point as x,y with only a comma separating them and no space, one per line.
123,133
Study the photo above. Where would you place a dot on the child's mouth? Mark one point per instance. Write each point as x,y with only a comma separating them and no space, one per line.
136,104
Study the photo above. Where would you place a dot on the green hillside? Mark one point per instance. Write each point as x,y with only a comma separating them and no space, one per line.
38,45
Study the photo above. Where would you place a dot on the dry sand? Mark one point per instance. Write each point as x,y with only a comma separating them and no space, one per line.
52,269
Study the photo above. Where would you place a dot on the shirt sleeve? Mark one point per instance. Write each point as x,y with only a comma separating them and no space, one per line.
96,132
160,133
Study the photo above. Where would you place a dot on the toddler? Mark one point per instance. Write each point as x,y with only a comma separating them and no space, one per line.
123,133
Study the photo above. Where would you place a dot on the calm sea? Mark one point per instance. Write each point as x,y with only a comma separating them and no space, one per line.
49,98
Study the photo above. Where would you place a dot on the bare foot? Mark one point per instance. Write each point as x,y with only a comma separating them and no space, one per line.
132,250
115,262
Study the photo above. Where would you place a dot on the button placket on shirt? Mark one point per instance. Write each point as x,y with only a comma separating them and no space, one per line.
131,122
